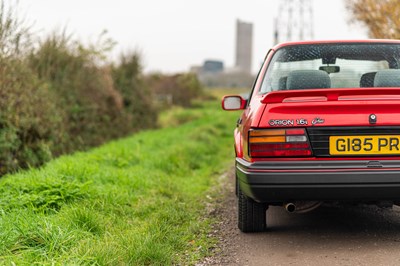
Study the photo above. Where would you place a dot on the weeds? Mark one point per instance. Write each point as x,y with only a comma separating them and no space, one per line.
136,201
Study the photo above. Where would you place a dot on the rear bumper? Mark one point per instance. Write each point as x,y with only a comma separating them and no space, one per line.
362,181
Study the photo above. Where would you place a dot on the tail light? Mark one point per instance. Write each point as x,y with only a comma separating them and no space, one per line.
279,143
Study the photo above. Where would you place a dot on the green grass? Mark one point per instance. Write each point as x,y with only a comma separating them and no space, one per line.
137,201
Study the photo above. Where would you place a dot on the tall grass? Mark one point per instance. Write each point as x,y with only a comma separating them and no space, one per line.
137,201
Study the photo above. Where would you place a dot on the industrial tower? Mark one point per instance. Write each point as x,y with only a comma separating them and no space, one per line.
244,46
294,21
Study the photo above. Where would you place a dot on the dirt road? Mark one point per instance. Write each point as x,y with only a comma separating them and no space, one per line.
330,235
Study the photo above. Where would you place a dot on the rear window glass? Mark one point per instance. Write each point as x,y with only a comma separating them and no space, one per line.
331,66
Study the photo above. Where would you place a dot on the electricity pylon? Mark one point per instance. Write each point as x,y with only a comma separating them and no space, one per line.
294,21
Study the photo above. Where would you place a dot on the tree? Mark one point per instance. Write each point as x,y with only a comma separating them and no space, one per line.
381,17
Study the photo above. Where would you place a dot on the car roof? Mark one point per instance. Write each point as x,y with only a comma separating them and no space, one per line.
337,52
383,41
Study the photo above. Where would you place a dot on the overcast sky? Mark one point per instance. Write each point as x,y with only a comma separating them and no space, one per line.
175,34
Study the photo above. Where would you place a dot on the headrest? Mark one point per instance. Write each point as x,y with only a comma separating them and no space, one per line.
282,83
387,78
308,79
367,80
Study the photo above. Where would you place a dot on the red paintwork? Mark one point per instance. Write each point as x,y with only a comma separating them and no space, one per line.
332,94
338,107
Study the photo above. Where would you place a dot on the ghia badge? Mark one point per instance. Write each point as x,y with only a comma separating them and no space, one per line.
317,121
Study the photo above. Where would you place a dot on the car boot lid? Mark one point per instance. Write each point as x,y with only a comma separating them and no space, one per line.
332,107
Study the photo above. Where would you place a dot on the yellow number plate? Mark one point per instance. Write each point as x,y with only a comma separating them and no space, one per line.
364,145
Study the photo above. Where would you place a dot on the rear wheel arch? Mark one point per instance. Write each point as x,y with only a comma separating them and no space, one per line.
238,144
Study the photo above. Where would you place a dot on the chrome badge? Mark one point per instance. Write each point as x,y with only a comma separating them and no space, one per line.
317,121
281,122
372,119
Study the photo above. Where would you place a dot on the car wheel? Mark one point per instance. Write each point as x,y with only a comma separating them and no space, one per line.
251,214
236,187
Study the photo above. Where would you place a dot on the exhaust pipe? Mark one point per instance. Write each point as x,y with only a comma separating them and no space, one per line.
290,207
301,206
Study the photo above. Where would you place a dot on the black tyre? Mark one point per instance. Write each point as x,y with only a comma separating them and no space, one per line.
236,186
251,214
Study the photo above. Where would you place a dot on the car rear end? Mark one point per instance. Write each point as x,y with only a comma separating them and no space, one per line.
322,124
343,147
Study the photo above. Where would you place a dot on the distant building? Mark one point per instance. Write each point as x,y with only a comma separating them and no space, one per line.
213,66
196,69
213,73
244,46
209,67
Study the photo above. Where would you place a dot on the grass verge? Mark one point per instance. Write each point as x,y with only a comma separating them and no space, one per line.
137,201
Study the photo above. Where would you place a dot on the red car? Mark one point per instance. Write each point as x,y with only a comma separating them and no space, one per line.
322,124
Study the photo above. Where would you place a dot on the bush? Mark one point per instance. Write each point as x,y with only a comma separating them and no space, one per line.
180,89
92,107
59,96
15,37
137,97
30,122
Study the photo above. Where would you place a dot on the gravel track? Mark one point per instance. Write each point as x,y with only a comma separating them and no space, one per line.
330,235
